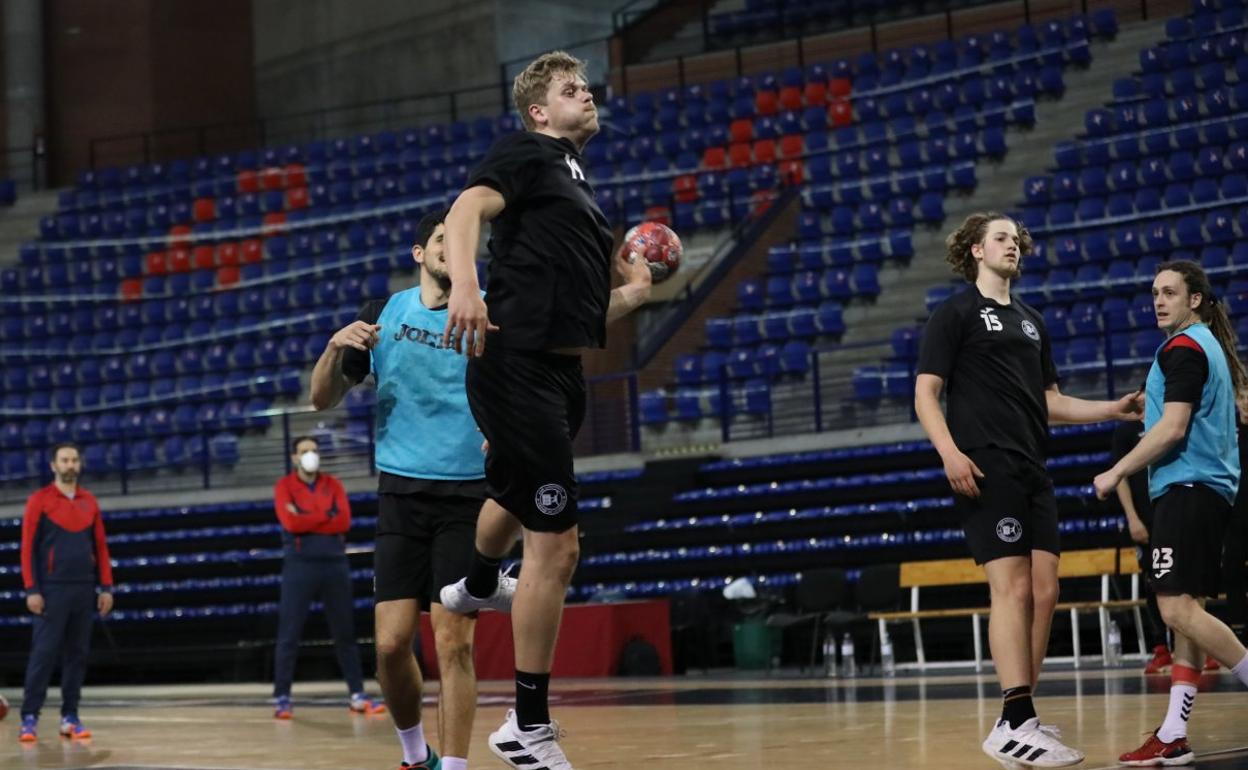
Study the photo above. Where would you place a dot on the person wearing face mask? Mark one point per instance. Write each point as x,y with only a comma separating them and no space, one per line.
63,553
315,516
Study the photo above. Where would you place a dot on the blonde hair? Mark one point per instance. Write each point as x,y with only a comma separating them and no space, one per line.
531,85
973,231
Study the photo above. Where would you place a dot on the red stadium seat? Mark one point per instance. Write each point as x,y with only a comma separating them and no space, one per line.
227,254
760,201
297,198
253,251
180,260
840,87
741,130
180,236
685,188
765,151
766,103
792,172
816,94
739,155
791,98
272,178
840,113
661,214
714,157
204,257
204,210
248,182
131,289
156,264
227,276
792,146
296,176
275,222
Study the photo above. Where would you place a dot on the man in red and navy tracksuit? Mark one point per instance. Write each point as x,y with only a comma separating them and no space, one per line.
63,551
315,516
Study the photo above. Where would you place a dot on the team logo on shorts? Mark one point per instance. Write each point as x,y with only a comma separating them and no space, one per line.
1031,331
1009,529
550,499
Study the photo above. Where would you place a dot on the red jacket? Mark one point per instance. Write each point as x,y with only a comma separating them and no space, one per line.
63,540
315,518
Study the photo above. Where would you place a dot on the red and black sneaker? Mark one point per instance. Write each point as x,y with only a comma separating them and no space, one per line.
1161,662
1155,751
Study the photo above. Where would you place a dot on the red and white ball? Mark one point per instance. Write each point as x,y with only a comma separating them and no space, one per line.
659,245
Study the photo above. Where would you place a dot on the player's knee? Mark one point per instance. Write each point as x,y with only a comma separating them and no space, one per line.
392,647
1044,594
1015,589
454,652
565,559
1175,611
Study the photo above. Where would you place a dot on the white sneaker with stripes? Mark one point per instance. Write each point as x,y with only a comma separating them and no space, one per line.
455,597
536,749
1029,746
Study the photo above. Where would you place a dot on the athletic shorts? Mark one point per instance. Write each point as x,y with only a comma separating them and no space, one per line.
1015,513
1189,525
529,406
423,542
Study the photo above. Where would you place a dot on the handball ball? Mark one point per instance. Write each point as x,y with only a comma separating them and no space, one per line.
660,246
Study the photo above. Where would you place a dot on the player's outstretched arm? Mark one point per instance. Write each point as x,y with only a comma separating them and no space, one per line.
632,294
467,320
1068,409
1154,445
329,383
959,469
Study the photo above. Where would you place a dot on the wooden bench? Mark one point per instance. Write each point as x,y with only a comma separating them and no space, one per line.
1102,563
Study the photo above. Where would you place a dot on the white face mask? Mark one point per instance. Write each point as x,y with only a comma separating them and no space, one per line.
309,462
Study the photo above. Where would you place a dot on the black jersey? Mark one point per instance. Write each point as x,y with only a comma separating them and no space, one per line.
996,361
550,268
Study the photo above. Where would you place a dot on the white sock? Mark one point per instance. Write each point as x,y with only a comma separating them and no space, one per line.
1182,698
454,763
1241,670
415,750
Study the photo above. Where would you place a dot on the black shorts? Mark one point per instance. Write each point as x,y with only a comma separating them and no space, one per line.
424,542
529,406
1189,525
1015,513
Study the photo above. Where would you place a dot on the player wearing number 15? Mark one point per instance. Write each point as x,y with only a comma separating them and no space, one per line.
991,354
1191,452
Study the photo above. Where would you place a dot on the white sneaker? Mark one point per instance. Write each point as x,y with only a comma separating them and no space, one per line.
528,749
456,598
1050,730
1029,745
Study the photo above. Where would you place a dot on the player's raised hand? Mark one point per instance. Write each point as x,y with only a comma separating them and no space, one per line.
467,321
360,335
962,472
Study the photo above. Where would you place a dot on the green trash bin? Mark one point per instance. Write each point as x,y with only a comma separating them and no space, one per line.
754,644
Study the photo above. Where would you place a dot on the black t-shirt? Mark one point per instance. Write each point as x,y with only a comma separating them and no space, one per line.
1126,436
550,267
1185,366
356,365
996,362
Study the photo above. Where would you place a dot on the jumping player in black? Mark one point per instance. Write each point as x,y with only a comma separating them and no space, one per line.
548,298
991,354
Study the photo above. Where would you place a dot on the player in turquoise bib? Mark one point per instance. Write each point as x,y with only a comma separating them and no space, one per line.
1191,452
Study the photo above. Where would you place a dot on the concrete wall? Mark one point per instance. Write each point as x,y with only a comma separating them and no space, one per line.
316,54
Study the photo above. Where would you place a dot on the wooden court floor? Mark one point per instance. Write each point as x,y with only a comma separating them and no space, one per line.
682,723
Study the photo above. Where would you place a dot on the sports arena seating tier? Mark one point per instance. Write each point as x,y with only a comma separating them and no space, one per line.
197,576
137,311
924,117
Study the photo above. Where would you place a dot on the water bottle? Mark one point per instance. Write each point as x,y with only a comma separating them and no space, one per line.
849,667
888,666
829,655
1113,645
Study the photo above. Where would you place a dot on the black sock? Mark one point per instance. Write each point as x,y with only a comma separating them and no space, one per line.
531,707
1016,706
482,579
